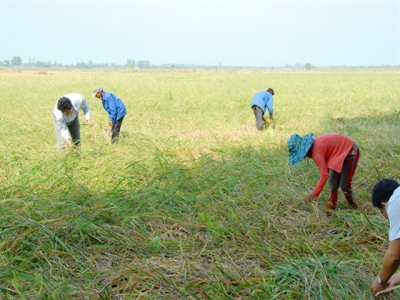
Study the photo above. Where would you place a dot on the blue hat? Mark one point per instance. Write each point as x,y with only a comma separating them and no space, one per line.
298,147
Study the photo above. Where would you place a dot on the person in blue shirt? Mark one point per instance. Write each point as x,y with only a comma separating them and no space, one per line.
114,107
262,101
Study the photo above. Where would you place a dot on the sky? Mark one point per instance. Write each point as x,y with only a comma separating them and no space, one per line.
206,32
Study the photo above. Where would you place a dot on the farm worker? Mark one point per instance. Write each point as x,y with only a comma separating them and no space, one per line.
66,119
386,197
336,157
262,101
114,107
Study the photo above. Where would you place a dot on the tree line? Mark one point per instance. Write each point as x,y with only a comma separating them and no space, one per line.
145,64
32,62
132,64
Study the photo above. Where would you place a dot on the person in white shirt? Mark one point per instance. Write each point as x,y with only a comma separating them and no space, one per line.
66,120
386,197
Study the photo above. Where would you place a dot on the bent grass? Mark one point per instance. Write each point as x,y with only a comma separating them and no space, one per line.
193,202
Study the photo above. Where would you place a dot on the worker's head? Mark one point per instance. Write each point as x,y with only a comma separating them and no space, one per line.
298,147
64,105
382,192
97,92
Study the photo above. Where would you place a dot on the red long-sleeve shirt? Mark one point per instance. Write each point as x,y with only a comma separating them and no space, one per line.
329,152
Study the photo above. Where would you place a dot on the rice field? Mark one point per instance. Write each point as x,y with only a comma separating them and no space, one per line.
193,202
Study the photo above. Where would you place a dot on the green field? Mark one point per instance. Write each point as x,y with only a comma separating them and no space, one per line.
193,202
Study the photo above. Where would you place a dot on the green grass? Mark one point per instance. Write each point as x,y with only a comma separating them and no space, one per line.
194,202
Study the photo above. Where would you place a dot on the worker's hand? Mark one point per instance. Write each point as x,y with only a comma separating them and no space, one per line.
271,118
310,198
264,120
377,287
90,123
394,280
110,123
68,143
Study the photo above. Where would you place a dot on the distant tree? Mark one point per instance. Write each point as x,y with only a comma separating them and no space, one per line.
130,63
81,65
31,60
6,62
42,64
298,66
143,64
16,61
308,66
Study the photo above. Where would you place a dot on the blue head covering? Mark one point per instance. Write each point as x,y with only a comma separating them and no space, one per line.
298,147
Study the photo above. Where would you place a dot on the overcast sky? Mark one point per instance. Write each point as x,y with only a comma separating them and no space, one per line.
232,32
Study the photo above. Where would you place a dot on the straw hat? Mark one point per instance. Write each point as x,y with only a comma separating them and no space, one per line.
298,147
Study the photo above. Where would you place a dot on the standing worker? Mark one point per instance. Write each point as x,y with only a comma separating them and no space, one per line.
336,157
262,101
114,107
66,119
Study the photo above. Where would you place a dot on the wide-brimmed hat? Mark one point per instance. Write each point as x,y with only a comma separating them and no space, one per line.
298,147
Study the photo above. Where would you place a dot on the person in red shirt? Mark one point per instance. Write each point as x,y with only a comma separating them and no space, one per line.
336,157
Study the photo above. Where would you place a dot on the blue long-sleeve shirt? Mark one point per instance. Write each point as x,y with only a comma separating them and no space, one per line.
264,100
113,106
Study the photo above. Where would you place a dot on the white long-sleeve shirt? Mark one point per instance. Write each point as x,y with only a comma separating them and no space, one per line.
393,208
78,102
